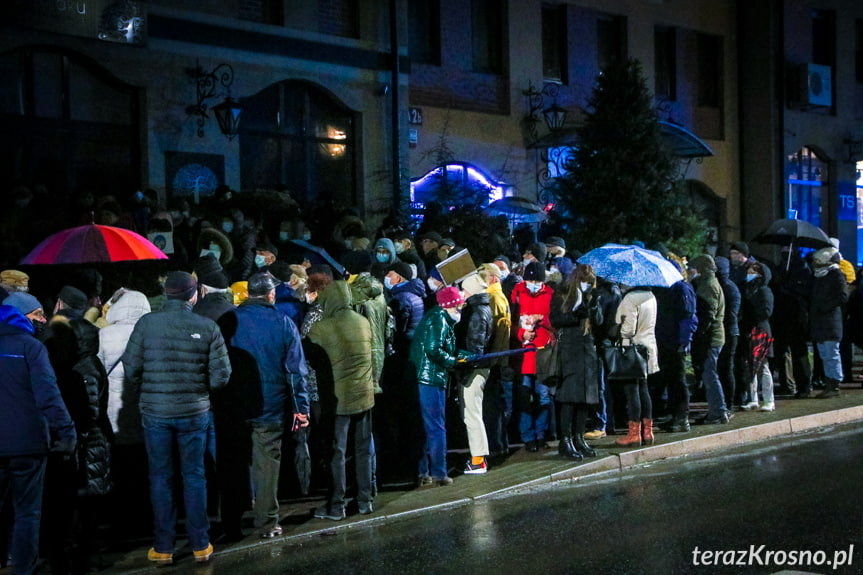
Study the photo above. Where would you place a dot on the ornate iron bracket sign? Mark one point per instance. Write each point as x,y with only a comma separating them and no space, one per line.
228,112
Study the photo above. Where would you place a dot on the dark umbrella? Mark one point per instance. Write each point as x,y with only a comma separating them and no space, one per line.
323,253
794,232
517,210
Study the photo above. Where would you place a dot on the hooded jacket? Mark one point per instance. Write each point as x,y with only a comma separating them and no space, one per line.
710,304
32,412
757,306
123,412
825,305
379,269
367,299
406,303
346,337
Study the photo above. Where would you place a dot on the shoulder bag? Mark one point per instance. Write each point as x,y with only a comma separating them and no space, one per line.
626,361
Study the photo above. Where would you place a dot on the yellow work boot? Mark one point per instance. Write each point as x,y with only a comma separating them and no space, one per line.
203,554
160,558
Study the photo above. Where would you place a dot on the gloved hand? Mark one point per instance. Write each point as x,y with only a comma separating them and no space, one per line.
65,446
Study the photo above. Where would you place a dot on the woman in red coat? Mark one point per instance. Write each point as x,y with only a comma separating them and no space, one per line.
533,299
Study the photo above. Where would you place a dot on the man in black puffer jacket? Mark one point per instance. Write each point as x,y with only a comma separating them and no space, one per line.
473,334
177,357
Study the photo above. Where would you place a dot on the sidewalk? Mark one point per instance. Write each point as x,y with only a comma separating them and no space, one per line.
521,469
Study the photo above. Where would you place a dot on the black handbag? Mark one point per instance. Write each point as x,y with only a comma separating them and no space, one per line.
548,368
626,361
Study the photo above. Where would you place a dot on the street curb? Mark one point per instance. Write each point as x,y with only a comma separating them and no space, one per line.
618,462
611,463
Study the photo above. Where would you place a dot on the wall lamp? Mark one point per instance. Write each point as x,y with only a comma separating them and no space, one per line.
228,112
554,115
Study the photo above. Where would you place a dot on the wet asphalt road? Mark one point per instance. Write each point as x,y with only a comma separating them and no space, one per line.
800,499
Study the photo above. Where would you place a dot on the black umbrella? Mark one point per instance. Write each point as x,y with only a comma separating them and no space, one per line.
794,232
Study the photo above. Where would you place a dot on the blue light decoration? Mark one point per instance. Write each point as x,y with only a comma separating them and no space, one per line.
470,176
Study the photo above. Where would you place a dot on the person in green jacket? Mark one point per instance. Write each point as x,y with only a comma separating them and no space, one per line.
433,354
346,337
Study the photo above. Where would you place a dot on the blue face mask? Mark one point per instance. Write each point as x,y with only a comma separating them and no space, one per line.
383,258
533,287
387,283
260,261
751,277
228,227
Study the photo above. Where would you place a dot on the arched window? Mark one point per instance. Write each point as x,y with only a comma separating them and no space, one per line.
298,137
808,178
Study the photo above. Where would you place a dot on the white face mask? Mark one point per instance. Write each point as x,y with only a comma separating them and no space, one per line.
433,284
525,262
388,282
584,286
309,297
533,287
400,247
504,275
454,314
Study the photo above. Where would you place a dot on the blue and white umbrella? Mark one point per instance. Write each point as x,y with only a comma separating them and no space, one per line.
631,265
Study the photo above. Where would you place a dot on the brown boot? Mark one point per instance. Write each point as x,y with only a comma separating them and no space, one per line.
647,431
633,439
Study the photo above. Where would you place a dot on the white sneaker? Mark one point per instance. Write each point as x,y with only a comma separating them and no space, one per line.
751,406
767,406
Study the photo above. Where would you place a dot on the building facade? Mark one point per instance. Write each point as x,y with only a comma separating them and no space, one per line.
347,101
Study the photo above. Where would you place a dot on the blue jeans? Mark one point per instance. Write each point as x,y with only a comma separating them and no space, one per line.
712,386
832,360
599,415
26,477
533,424
433,408
188,435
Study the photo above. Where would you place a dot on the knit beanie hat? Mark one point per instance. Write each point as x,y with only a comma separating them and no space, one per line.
180,285
401,268
449,297
741,247
73,298
206,264
504,259
555,241
538,250
534,271
23,302
217,280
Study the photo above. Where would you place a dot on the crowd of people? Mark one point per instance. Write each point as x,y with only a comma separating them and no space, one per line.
359,363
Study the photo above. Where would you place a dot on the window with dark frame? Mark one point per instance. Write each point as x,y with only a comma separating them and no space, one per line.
824,37
610,40
487,35
424,31
554,44
665,56
709,90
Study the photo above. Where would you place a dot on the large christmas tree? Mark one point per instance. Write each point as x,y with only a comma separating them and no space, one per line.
624,183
